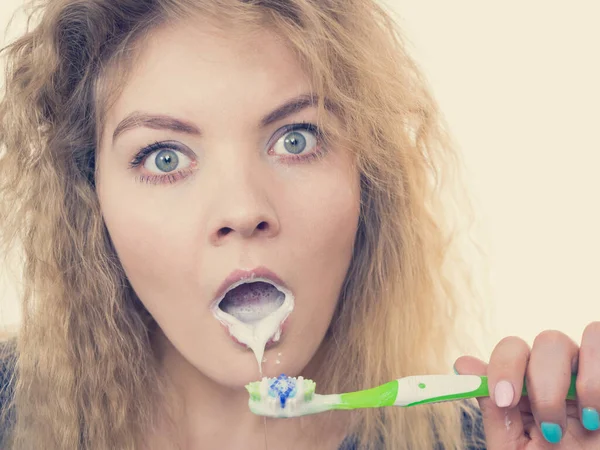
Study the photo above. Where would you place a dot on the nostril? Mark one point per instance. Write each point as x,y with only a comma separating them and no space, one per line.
263,226
224,231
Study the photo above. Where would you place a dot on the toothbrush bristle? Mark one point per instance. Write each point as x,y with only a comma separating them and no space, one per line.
253,389
309,389
275,396
282,388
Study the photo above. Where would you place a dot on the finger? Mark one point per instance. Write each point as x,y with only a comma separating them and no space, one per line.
506,372
588,377
548,380
503,426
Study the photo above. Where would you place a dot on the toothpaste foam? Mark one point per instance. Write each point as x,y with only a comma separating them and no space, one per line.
255,314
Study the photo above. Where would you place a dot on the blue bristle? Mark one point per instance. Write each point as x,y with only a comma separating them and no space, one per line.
283,387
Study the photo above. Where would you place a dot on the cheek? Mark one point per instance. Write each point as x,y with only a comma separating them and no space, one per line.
156,264
326,221
330,212
145,242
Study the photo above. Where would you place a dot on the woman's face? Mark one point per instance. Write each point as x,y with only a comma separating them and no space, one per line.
220,189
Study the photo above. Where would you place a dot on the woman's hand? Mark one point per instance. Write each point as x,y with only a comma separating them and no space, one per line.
543,420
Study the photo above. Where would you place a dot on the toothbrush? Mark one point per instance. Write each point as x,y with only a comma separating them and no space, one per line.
292,397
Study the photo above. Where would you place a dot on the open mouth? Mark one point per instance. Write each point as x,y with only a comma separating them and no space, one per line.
251,301
254,311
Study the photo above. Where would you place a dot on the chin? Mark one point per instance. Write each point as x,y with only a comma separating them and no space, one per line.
237,371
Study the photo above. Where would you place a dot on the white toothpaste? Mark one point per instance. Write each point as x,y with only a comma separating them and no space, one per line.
294,406
256,334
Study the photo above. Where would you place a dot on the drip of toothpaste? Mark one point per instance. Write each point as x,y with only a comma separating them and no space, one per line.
255,314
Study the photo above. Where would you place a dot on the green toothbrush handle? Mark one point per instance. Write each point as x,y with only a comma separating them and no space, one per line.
418,390
476,389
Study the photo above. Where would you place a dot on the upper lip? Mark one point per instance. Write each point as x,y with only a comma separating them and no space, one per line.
239,275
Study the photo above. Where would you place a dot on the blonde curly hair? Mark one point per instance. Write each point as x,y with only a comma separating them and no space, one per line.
87,375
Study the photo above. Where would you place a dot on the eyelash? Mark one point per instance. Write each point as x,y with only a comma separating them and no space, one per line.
173,177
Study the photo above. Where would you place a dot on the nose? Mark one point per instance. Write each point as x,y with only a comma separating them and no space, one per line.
245,223
243,207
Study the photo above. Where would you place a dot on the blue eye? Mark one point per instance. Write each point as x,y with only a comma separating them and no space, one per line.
161,158
166,160
299,139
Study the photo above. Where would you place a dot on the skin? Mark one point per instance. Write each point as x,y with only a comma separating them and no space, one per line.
241,207
547,367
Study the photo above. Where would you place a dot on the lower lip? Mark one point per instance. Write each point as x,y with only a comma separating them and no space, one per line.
270,343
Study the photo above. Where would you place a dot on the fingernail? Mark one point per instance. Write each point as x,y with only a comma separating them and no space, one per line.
590,419
552,432
504,394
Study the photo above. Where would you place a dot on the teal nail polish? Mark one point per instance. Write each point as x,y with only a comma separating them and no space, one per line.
552,432
590,419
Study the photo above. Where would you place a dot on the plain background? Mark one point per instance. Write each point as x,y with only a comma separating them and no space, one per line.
518,82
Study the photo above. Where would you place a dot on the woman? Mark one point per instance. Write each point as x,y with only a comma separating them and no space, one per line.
160,152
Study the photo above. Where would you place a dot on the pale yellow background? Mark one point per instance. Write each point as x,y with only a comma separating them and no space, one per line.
518,81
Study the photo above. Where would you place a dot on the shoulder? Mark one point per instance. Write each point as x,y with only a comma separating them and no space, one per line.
7,363
7,369
472,425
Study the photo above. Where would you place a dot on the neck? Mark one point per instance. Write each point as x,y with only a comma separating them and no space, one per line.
206,414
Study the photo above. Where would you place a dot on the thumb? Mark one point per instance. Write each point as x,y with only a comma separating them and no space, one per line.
503,426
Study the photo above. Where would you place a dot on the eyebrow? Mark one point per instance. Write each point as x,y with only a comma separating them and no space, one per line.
139,119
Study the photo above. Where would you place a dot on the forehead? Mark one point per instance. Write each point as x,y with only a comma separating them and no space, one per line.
189,66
